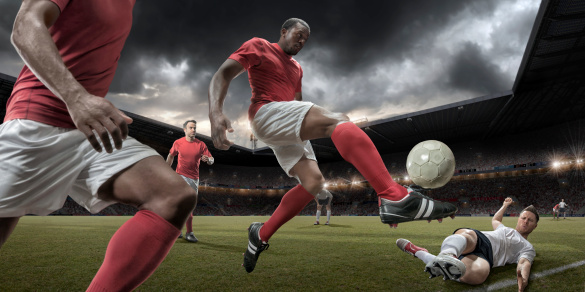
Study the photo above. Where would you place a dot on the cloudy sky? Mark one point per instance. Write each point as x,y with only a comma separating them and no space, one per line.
373,59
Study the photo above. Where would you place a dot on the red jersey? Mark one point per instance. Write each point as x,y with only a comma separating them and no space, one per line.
556,207
90,35
189,156
273,74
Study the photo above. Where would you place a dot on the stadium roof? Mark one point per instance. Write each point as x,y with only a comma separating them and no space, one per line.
549,90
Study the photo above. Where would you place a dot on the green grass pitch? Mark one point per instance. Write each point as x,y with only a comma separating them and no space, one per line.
353,253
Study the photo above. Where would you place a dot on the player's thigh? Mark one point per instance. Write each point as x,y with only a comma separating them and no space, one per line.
149,184
477,270
320,123
309,174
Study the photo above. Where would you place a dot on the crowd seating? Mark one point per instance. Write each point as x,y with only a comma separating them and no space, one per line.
234,190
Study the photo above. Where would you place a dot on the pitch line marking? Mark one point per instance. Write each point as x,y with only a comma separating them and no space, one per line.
508,283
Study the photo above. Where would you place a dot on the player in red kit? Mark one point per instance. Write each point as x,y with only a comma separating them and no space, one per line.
279,118
191,152
57,125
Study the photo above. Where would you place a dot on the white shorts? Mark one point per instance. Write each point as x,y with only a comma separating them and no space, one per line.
41,165
193,183
278,124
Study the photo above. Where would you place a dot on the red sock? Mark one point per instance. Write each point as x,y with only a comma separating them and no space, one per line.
134,252
189,223
357,148
292,204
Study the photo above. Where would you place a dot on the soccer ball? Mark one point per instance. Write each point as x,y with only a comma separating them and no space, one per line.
430,164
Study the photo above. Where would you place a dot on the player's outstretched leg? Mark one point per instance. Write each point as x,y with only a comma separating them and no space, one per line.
259,234
414,206
446,265
255,246
189,236
396,203
409,248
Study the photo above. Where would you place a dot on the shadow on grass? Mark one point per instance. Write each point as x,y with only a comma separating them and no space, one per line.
325,226
215,246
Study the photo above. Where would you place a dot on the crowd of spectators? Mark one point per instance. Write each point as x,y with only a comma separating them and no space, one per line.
230,190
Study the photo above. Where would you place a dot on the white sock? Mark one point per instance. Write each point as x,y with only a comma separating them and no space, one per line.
424,256
328,215
454,244
318,214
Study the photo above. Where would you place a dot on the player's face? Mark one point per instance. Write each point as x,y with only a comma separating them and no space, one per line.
295,38
526,222
190,130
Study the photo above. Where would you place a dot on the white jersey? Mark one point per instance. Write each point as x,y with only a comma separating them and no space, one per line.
508,246
324,194
562,205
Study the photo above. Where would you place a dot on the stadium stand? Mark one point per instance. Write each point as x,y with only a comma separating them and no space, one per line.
527,142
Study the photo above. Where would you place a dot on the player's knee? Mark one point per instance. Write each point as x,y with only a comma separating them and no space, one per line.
314,184
182,199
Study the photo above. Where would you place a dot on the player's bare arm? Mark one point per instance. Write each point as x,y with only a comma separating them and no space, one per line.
497,220
218,88
207,159
31,38
170,159
523,273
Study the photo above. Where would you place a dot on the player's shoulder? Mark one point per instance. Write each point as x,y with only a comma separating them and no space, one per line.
256,41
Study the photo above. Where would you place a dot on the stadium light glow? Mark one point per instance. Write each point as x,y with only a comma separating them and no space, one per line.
556,164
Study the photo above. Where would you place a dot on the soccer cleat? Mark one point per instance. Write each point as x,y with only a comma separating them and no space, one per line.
409,248
180,235
446,265
327,223
255,247
191,237
414,206
316,223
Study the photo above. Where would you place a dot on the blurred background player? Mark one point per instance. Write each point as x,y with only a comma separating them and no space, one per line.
279,118
191,152
563,208
556,212
468,255
323,198
57,125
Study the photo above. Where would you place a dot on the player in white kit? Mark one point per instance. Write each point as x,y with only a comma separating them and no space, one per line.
468,255
324,197
563,209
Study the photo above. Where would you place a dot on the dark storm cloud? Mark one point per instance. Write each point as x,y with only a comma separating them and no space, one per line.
358,33
363,57
473,71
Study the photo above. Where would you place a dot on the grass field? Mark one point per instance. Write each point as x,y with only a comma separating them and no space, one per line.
354,253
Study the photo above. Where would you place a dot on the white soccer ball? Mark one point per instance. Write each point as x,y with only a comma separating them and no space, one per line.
430,164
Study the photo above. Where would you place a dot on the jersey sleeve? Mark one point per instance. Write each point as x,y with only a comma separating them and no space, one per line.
174,150
249,53
528,253
205,151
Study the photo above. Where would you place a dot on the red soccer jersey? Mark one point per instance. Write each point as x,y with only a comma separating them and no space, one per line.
273,74
189,156
90,35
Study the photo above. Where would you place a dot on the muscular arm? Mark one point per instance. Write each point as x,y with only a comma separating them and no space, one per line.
170,159
218,89
497,220
523,273
31,39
